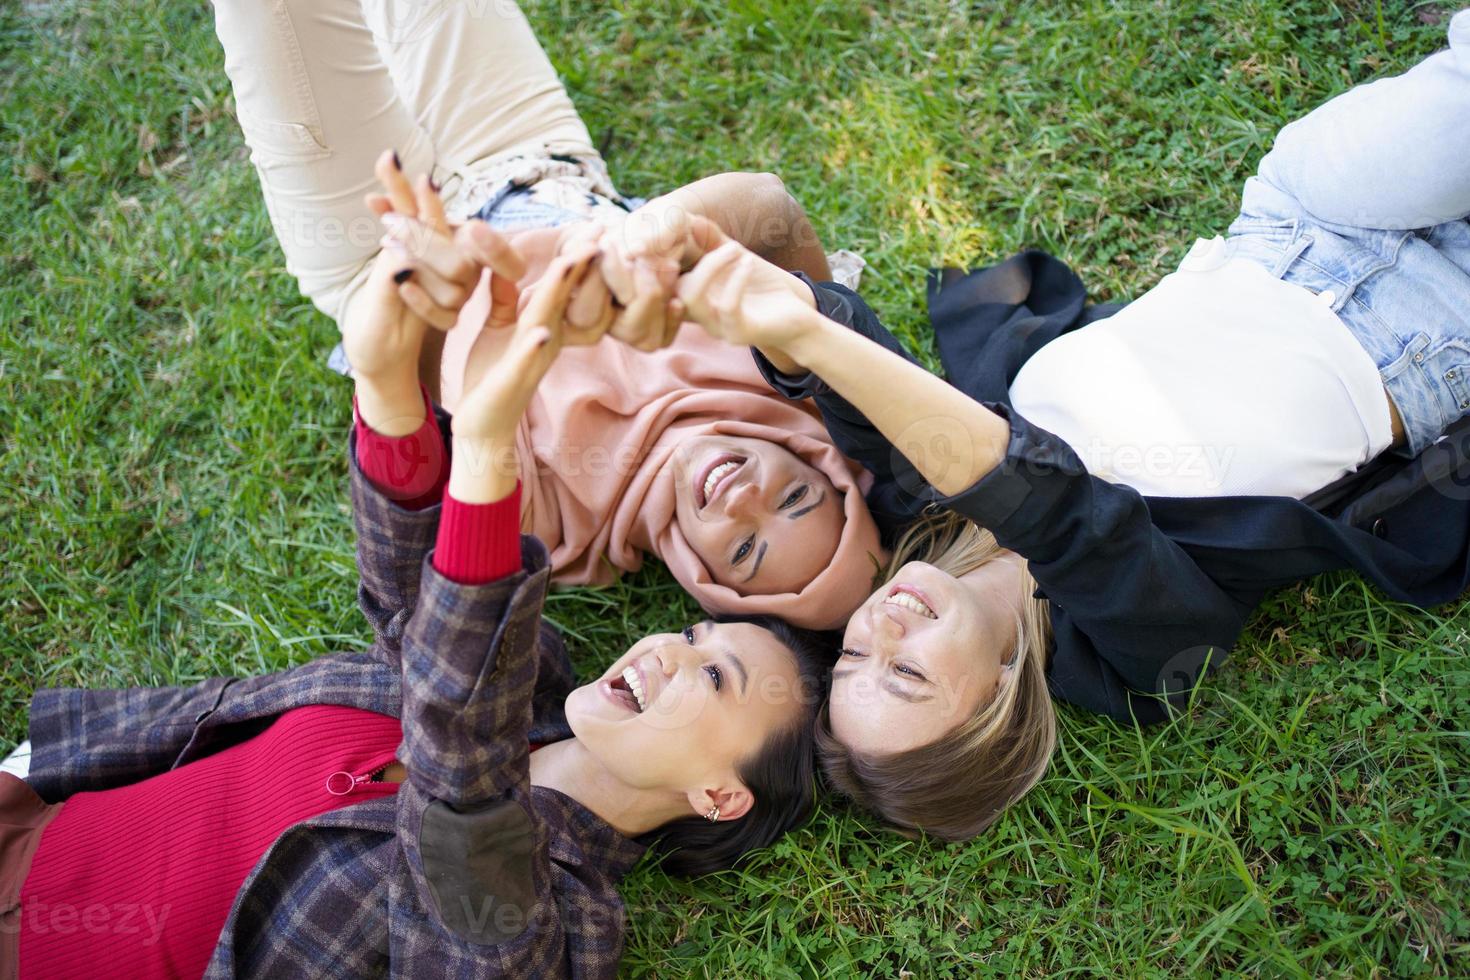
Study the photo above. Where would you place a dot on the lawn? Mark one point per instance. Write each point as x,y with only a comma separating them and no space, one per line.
174,502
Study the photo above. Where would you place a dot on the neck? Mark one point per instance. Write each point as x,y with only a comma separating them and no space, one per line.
568,768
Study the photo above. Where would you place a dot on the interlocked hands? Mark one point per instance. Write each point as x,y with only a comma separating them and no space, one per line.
638,282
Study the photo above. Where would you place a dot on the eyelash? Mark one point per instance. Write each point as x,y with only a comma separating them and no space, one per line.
715,674
904,669
792,499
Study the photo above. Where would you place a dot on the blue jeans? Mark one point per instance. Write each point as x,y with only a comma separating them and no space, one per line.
1367,198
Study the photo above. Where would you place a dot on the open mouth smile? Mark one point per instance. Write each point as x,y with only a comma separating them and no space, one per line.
910,598
715,477
627,690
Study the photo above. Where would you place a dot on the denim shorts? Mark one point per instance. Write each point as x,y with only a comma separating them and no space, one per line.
517,208
1405,296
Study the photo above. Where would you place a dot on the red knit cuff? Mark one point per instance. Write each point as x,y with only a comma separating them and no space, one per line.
479,543
410,470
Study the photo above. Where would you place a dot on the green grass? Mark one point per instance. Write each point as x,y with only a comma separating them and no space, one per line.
173,502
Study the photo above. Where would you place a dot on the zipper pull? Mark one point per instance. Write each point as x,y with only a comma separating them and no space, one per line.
342,782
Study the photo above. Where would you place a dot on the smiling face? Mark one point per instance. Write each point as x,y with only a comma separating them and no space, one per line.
762,521
923,655
682,711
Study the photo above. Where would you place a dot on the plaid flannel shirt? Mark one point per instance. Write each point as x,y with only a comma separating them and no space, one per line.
468,870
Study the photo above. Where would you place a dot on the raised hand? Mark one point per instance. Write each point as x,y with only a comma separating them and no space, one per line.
489,411
383,339
640,262
434,268
742,299
444,262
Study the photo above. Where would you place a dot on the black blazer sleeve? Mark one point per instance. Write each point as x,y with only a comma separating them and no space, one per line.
1131,611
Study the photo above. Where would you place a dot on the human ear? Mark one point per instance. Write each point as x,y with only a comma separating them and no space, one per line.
733,802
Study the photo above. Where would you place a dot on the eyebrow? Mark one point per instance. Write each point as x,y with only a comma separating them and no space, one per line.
739,669
809,507
760,556
892,687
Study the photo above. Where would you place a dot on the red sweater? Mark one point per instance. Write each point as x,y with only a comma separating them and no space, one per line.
477,543
138,880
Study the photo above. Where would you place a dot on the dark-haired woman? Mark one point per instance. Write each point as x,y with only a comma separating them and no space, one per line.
1115,496
444,804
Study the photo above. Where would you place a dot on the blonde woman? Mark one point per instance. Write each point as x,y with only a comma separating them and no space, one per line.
1292,400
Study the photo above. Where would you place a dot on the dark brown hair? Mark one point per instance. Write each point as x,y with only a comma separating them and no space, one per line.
781,775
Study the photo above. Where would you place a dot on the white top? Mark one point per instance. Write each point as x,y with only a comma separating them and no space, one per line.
1219,381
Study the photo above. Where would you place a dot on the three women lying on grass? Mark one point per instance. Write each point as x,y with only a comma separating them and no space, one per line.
1324,345
1316,360
443,804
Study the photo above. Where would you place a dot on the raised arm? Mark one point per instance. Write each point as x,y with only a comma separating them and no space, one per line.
466,819
894,499
1127,600
457,693
754,209
952,440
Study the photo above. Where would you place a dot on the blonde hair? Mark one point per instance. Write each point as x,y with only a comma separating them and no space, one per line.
956,787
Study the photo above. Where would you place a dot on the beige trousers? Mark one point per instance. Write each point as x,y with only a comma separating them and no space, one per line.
324,86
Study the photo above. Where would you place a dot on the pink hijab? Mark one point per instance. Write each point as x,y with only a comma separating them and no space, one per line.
596,489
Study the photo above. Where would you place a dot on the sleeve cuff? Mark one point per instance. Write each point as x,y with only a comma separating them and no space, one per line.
830,302
832,305
479,543
410,470
1034,459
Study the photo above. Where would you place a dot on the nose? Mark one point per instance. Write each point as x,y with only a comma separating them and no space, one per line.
741,501
886,621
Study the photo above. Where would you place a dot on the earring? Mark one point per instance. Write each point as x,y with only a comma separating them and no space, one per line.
713,815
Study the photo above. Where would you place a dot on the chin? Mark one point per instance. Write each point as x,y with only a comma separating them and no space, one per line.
580,710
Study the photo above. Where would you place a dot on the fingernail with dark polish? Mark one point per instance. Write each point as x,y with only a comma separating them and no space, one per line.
401,276
434,185
397,163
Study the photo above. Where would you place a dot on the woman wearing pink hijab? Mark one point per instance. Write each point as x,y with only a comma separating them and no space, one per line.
677,448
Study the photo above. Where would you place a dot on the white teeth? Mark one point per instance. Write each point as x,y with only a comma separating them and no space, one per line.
715,475
635,684
910,602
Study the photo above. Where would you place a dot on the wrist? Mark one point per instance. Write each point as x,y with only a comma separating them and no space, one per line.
484,468
391,407
805,344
